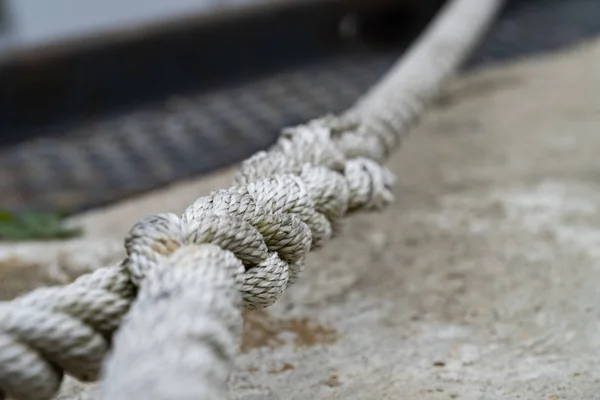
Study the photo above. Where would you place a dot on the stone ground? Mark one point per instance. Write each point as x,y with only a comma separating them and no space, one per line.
480,282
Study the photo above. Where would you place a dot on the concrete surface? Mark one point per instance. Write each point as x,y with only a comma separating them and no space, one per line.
480,282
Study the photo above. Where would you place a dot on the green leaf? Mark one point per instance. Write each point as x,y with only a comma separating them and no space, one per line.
35,225
13,232
6,216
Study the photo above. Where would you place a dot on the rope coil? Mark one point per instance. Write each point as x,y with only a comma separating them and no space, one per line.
176,299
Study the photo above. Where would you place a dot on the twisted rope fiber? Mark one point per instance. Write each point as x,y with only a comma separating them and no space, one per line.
177,298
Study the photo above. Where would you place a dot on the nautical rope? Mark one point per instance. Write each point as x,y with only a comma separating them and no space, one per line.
176,299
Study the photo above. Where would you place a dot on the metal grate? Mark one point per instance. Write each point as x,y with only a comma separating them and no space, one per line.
99,162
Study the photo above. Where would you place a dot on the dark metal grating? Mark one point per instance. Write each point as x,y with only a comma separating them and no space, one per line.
99,162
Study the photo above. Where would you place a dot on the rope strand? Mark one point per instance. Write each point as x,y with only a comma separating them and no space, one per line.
177,298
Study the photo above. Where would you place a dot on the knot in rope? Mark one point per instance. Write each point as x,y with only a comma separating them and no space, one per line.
283,205
269,221
285,202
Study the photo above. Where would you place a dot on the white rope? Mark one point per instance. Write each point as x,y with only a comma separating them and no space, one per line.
177,297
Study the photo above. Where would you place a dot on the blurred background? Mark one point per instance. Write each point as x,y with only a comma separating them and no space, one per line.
102,100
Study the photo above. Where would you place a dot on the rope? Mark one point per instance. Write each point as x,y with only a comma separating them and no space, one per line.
177,297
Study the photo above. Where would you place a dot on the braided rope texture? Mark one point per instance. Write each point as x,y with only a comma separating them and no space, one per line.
177,297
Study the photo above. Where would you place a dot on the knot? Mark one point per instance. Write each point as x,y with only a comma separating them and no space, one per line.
369,184
355,139
286,194
266,274
286,202
269,225
329,191
149,241
166,235
354,145
287,234
339,145
312,144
